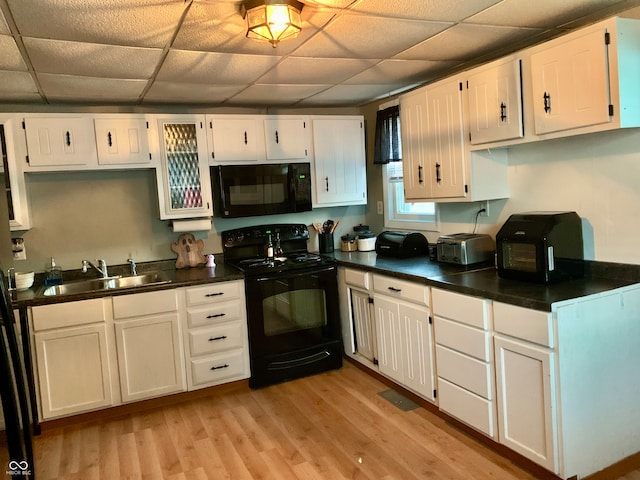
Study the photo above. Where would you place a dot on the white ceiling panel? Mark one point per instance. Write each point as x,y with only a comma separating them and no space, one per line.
189,93
359,36
538,13
11,59
90,89
400,71
464,42
142,23
431,10
308,70
91,59
216,68
17,83
4,28
350,52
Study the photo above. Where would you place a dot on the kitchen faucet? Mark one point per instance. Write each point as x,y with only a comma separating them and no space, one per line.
132,263
101,268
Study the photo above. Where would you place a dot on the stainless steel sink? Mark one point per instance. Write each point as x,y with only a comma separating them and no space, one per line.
110,283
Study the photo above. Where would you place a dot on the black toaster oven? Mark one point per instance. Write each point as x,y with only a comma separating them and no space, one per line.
541,247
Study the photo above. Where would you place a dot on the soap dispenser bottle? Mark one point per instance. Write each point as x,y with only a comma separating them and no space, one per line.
54,274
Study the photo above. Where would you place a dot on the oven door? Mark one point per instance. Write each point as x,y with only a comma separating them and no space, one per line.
294,324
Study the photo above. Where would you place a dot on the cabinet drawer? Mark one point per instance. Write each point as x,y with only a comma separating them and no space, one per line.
413,292
464,405
214,292
463,338
216,339
148,303
67,314
473,311
216,313
532,325
358,278
464,371
218,368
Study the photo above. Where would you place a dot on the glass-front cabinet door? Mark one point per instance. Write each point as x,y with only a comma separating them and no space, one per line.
184,188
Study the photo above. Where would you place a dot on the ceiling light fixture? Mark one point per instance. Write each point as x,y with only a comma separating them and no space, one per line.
272,20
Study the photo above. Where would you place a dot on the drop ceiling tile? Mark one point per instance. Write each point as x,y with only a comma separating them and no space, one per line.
268,95
16,83
4,28
468,42
11,59
360,36
143,23
433,10
182,93
354,94
90,89
306,70
91,59
538,14
400,71
221,68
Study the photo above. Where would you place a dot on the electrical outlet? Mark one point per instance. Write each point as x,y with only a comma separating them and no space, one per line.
380,207
484,206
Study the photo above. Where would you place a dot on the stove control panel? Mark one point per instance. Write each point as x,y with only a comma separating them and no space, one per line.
248,236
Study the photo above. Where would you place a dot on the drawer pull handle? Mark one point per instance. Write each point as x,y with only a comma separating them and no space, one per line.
216,315
215,339
214,294
226,365
393,289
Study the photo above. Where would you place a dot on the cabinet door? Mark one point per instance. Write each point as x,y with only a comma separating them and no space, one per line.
413,130
446,148
340,163
60,141
184,186
495,103
73,370
150,357
388,334
570,84
122,140
11,146
525,377
418,350
235,139
363,324
286,138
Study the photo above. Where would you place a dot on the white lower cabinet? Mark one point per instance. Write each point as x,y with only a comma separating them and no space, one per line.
215,333
358,325
74,352
464,359
149,344
404,334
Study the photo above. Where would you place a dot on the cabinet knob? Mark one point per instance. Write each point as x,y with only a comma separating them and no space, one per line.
547,102
216,315
394,289
214,294
420,177
226,365
215,339
503,112
438,177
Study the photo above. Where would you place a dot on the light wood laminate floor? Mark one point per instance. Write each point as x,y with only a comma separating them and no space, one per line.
329,426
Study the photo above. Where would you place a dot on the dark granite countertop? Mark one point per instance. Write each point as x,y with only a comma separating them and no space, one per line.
482,280
179,278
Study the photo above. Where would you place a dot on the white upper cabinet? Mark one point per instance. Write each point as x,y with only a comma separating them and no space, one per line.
340,161
287,138
235,139
122,140
495,102
184,187
413,130
59,141
13,149
587,81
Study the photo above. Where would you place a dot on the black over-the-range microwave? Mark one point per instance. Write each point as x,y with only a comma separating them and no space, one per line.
249,190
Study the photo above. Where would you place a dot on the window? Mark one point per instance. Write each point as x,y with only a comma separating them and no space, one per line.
398,213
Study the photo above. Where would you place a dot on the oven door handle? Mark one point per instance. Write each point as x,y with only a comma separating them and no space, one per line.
314,272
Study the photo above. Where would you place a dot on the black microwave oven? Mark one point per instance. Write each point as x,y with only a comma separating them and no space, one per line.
541,247
267,189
